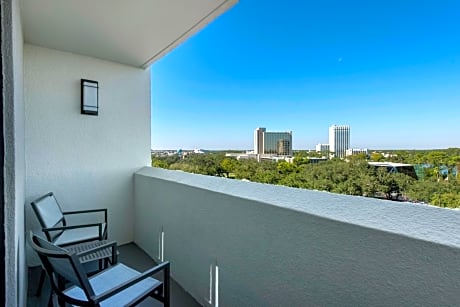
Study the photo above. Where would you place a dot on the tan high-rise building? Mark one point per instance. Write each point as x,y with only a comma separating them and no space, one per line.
259,141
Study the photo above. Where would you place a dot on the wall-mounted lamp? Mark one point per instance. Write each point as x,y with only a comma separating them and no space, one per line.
89,97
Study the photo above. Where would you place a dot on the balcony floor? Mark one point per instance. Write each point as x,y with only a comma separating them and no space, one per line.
131,255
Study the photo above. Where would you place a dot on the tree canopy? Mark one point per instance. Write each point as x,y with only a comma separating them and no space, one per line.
438,186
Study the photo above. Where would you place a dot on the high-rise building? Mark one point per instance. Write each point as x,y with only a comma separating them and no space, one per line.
322,148
339,140
275,143
258,141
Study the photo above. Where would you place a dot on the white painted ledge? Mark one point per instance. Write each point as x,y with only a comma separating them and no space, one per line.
423,222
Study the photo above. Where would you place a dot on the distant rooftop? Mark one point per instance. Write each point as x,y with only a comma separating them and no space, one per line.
390,164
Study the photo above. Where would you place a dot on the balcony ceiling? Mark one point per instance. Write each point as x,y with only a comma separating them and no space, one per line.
134,32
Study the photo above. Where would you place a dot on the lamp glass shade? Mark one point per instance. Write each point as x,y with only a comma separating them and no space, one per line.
89,97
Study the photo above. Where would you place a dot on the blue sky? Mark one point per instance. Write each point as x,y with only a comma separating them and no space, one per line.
389,69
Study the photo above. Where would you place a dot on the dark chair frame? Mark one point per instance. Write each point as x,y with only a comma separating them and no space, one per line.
49,230
161,292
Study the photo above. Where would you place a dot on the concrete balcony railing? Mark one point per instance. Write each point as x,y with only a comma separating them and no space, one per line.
234,243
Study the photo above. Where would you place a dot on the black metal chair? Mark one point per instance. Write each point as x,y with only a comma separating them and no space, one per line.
56,229
54,224
118,285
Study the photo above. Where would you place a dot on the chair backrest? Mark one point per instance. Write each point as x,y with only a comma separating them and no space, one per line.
59,263
49,214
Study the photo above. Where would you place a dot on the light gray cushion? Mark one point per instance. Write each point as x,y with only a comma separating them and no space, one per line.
112,277
79,234
49,211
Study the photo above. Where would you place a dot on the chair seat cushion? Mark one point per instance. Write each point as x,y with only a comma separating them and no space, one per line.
71,236
113,277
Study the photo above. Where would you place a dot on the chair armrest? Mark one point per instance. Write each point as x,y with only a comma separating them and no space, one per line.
102,234
73,227
164,266
88,211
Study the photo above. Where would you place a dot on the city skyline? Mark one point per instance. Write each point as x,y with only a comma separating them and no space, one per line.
389,71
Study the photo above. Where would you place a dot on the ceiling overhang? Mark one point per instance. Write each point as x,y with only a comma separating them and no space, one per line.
134,32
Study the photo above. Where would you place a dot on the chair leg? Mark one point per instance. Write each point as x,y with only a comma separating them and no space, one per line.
61,285
167,287
50,300
40,283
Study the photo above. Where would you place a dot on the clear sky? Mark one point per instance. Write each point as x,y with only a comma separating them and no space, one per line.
389,69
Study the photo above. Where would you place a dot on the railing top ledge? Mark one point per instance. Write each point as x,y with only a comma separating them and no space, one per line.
422,222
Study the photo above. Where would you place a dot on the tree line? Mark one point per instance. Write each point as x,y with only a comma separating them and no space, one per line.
353,177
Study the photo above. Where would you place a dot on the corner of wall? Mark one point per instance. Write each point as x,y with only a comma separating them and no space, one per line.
14,182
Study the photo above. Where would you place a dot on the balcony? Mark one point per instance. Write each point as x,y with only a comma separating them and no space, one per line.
230,243
234,243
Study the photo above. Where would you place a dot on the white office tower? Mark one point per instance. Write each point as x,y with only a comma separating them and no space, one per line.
259,141
339,140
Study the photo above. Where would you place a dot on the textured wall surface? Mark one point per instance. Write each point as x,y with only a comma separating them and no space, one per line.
278,246
12,52
87,161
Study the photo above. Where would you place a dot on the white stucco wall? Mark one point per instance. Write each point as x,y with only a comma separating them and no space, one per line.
87,161
279,246
12,52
